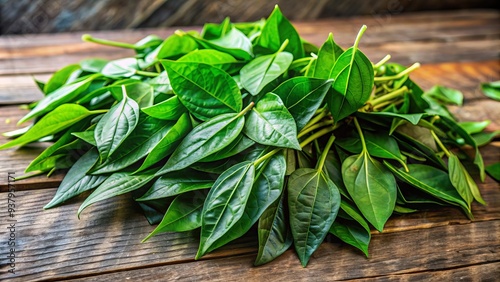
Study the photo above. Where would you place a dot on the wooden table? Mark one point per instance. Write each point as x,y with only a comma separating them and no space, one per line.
456,49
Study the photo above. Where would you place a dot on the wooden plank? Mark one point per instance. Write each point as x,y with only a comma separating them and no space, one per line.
51,242
473,36
464,76
403,254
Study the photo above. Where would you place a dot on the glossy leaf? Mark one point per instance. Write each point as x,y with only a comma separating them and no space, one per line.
126,67
140,92
327,56
266,189
64,94
204,140
472,127
412,118
234,43
146,135
76,180
170,109
161,83
211,57
168,143
93,65
63,76
313,201
176,183
204,90
494,171
183,214
353,83
239,144
270,123
225,203
446,95
117,184
302,96
432,181
352,233
262,70
463,182
57,120
275,31
115,126
378,145
371,186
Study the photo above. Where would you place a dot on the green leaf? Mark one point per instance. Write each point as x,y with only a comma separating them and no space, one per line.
302,96
117,184
412,118
205,139
446,95
266,189
491,90
204,90
87,136
225,203
371,186
353,83
114,127
62,95
484,138
432,181
211,57
183,214
239,144
378,145
61,77
168,143
173,47
176,183
262,70
494,171
276,30
314,201
146,135
472,127
93,65
352,233
234,43
170,109
327,56
57,120
462,181
161,83
270,123
140,92
274,232
120,68
76,180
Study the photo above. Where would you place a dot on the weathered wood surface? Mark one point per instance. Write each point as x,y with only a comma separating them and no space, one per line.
105,243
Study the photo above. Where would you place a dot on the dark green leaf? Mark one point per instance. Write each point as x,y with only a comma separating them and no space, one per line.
327,56
274,232
371,186
204,90
270,123
225,203
314,201
412,118
239,144
302,96
494,171
204,140
183,214
462,181
378,145
76,180
117,184
115,126
352,233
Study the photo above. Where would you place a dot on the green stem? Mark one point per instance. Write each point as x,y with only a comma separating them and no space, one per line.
283,46
389,96
147,73
383,61
89,38
358,37
399,75
440,144
322,159
360,132
314,127
322,114
316,135
245,110
257,162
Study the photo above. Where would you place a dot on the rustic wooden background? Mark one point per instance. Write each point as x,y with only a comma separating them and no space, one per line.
47,16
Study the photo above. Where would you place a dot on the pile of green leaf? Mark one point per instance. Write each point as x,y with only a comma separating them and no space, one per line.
247,124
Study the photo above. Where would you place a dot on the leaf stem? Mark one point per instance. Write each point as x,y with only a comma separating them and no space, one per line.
440,144
358,37
316,135
360,132
389,96
322,114
283,46
147,73
314,127
258,161
324,154
89,38
399,75
383,61
245,110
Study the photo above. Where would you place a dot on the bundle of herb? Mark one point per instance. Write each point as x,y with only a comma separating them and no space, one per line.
247,124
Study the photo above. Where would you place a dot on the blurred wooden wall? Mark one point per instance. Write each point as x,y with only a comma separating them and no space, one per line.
44,16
